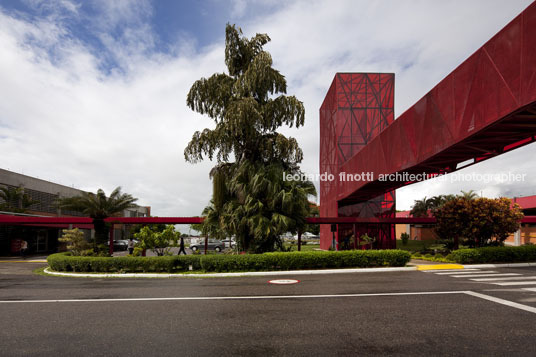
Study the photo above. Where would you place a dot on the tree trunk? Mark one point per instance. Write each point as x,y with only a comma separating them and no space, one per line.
101,232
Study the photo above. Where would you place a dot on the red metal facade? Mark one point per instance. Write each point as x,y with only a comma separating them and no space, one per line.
485,107
357,108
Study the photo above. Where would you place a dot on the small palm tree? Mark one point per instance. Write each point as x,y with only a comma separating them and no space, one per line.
99,207
15,200
469,195
421,207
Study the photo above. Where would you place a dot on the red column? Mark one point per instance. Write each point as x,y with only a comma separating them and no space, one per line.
112,239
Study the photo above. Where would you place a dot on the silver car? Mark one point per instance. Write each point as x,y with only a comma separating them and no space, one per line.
213,244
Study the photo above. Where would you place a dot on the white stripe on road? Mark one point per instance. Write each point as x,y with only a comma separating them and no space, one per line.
469,272
235,297
530,289
507,278
503,302
197,298
483,275
512,283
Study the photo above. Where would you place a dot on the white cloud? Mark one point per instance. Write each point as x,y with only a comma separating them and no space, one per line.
64,119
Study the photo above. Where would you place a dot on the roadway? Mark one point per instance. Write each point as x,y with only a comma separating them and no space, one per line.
394,313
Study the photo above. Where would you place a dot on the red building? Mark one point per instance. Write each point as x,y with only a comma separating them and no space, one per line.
485,107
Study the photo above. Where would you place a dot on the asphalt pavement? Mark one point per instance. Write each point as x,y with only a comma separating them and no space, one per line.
413,313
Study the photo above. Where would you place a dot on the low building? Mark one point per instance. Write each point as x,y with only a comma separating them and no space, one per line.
43,195
525,235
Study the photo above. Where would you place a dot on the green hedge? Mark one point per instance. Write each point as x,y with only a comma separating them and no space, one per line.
227,263
169,264
494,255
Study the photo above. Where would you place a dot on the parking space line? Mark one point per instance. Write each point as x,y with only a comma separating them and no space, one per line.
476,275
530,289
502,301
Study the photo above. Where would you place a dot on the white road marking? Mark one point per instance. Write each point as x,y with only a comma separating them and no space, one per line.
503,302
512,283
468,272
507,278
530,289
483,275
261,297
283,281
200,298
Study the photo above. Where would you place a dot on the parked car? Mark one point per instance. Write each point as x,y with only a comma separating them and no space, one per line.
213,244
229,243
119,244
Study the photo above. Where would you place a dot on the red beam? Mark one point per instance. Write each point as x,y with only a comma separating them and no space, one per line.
155,220
350,220
7,219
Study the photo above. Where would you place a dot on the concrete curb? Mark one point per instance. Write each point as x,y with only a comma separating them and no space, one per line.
421,267
222,275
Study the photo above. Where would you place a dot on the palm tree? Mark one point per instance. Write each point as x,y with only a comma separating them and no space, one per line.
99,207
421,207
15,200
263,206
469,196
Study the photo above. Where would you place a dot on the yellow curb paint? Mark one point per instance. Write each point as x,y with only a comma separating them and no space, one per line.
439,266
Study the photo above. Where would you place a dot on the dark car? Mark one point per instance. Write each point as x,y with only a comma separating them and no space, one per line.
213,244
119,244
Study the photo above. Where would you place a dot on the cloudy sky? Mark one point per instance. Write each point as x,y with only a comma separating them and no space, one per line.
93,93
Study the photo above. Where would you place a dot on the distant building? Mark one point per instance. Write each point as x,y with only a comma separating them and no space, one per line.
525,235
44,239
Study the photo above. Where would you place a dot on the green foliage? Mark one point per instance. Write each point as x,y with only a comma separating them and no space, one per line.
99,207
305,260
224,263
250,200
478,222
422,208
365,239
494,255
405,238
15,200
169,264
158,241
75,240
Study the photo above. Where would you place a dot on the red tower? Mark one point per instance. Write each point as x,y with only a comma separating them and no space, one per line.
357,108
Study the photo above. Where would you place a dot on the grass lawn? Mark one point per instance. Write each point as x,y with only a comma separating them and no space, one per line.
304,247
418,245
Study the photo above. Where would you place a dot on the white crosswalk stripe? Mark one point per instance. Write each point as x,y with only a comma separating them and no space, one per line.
505,278
490,277
514,283
466,272
483,275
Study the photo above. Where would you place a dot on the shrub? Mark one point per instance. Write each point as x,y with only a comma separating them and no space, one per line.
170,264
75,240
225,263
405,238
479,222
495,255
